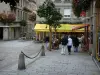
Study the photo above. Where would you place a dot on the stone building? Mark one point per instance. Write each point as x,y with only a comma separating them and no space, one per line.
93,17
24,9
65,8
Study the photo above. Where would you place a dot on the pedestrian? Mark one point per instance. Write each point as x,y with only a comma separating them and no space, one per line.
69,44
83,42
75,43
64,42
47,41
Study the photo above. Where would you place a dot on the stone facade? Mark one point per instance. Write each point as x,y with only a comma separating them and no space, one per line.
65,8
24,15
93,17
5,30
13,31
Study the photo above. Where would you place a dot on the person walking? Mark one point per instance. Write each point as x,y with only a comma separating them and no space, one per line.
47,41
75,43
69,44
64,42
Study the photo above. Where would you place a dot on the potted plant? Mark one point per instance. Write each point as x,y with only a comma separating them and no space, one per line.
3,18
11,17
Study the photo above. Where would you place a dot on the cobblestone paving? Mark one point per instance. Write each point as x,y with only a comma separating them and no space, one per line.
10,50
56,64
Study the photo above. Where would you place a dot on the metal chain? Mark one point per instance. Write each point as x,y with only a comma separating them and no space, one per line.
31,57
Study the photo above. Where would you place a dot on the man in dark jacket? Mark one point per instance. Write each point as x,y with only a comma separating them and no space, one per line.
47,41
75,43
64,42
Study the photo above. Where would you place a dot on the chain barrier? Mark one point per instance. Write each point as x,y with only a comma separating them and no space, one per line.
31,57
21,61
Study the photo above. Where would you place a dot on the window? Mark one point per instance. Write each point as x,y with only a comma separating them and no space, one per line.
26,15
67,13
57,1
67,1
18,14
21,3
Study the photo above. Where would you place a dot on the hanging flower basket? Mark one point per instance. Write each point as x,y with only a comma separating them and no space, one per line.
32,17
3,18
11,17
7,18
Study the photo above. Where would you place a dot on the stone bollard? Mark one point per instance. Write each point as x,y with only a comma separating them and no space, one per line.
21,62
43,51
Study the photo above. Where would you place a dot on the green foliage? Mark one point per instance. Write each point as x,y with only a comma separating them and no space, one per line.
23,23
12,3
48,11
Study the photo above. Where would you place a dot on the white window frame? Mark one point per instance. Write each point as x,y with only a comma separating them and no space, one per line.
67,13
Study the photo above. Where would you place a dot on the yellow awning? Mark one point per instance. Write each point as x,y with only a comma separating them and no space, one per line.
63,28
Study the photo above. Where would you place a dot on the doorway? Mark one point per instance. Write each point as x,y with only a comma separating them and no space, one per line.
1,33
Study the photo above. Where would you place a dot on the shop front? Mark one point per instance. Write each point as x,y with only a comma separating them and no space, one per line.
42,30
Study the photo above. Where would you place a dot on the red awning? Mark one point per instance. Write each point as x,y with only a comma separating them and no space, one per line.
79,27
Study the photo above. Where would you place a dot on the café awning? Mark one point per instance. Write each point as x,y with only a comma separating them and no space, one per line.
63,28
81,26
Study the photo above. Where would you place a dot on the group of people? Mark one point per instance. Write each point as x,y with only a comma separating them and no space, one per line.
69,41
55,42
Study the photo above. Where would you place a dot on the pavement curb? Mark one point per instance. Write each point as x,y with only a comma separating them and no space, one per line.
96,62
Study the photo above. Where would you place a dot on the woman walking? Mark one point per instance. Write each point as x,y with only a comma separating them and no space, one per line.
69,45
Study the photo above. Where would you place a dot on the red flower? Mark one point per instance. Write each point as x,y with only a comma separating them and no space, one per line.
83,13
11,17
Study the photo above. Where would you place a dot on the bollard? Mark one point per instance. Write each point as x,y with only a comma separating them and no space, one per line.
21,62
43,51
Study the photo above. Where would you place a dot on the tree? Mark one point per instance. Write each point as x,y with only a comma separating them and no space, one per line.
55,26
12,3
49,12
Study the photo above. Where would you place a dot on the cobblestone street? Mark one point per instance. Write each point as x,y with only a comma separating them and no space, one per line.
10,50
53,63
